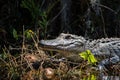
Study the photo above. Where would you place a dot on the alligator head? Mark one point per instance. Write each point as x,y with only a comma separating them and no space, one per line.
65,42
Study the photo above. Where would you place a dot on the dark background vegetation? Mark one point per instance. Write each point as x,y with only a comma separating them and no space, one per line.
44,17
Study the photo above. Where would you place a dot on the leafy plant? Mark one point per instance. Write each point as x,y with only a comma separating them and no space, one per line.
90,77
43,23
28,34
32,7
39,13
87,55
39,16
15,34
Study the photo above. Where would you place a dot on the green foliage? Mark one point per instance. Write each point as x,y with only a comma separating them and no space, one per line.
39,13
15,34
43,23
28,34
87,55
3,55
32,7
90,77
39,16
35,10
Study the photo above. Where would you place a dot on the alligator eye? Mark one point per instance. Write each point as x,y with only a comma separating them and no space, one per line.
68,37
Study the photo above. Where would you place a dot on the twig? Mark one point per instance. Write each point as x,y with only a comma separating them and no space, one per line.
106,7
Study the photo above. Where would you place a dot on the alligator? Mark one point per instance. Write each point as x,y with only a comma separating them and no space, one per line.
106,50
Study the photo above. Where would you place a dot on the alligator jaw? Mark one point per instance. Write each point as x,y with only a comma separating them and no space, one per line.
52,45
64,49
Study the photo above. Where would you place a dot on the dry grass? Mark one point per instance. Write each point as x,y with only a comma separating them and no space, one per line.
35,64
